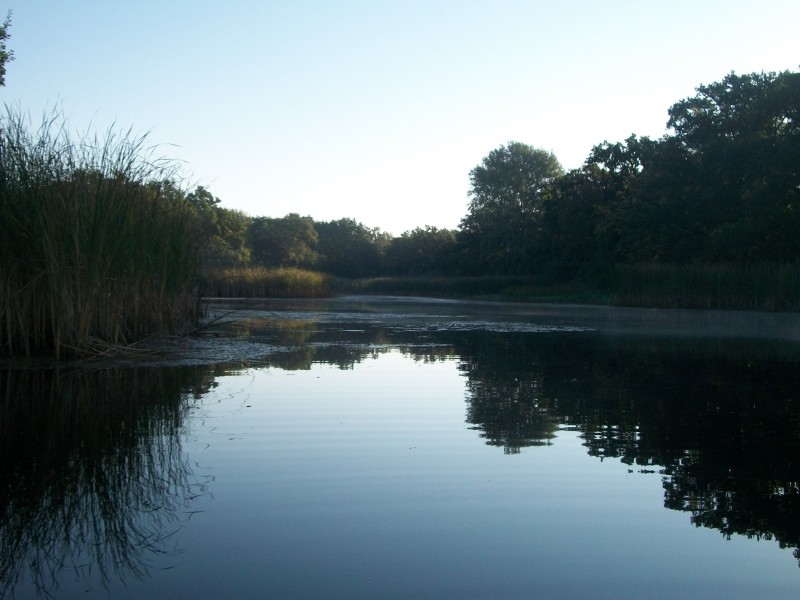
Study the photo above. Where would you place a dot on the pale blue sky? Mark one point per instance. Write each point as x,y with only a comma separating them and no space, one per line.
377,110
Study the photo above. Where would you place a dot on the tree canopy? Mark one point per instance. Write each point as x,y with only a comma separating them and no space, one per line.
506,200
288,241
724,187
741,139
348,248
222,230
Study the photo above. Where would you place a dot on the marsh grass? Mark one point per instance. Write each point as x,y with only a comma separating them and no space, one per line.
772,287
259,282
98,247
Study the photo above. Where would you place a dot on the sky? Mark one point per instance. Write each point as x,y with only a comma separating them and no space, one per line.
377,110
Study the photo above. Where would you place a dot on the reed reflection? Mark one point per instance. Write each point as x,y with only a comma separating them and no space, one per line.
94,480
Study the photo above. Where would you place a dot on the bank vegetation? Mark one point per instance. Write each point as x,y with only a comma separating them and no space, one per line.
103,246
97,249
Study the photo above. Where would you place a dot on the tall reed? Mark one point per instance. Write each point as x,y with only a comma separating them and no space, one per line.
98,246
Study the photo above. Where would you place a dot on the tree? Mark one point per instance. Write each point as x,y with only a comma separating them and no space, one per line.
743,136
422,251
289,241
232,227
724,188
6,56
642,186
349,249
572,212
223,231
508,189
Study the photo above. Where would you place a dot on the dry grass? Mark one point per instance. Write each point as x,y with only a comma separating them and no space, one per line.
258,282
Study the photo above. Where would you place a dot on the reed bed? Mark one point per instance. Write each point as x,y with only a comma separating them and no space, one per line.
773,287
98,246
259,282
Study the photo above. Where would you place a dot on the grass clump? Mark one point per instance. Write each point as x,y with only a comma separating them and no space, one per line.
260,282
98,248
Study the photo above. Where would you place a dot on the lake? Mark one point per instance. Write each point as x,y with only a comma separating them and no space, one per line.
406,448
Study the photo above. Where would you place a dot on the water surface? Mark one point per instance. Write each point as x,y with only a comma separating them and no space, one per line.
366,448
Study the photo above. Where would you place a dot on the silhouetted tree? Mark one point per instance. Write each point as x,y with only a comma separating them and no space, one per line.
508,189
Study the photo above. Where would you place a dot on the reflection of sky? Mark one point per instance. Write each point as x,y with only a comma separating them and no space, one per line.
369,483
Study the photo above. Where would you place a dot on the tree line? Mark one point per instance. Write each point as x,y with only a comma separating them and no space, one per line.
722,188
343,247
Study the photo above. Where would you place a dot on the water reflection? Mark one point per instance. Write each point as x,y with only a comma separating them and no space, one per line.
92,477
719,420
720,423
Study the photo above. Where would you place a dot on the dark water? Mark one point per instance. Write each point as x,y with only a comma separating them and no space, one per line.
364,448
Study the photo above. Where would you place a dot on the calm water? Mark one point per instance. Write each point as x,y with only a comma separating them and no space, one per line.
368,448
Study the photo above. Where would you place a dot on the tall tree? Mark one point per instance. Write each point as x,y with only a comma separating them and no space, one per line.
572,213
506,199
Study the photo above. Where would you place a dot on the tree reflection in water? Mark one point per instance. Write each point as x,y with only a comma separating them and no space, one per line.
719,422
92,476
